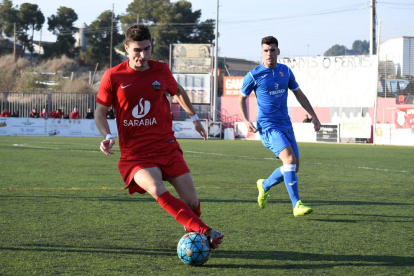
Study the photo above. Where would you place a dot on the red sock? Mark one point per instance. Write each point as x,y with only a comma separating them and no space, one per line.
182,213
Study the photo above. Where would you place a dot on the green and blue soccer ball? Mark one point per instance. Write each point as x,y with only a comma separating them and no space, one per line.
193,249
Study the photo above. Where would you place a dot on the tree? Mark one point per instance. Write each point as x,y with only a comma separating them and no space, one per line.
61,25
8,15
98,37
336,50
362,47
169,23
29,17
358,48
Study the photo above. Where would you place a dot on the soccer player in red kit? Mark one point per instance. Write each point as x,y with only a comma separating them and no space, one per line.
149,150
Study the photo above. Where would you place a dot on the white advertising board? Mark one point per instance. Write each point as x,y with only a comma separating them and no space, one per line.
344,81
52,127
185,129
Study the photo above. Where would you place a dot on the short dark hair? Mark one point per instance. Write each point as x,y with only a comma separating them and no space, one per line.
137,33
268,40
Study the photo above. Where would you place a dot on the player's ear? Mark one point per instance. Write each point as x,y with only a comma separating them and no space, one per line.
278,51
126,47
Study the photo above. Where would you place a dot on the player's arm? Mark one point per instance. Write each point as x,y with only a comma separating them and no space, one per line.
243,113
103,126
304,102
183,99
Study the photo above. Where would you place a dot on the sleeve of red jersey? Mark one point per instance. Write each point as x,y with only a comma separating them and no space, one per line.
171,82
105,90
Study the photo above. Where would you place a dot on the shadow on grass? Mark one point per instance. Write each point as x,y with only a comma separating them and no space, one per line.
204,200
336,260
90,198
282,256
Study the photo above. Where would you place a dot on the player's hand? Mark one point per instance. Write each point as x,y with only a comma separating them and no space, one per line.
200,129
251,127
106,145
316,124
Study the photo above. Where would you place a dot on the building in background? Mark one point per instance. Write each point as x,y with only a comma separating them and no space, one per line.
81,37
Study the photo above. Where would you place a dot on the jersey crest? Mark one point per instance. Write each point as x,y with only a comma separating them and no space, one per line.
281,74
156,85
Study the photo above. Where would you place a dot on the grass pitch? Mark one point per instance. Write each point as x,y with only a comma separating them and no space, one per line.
64,211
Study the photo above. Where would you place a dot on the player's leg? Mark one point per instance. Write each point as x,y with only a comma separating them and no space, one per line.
184,185
275,178
291,179
150,179
291,167
275,141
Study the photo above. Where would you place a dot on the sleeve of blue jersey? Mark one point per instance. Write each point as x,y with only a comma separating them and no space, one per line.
248,85
293,85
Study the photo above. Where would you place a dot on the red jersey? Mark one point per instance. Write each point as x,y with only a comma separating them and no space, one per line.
141,107
56,115
75,115
5,114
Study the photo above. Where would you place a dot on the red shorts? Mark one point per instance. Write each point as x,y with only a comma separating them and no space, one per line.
172,165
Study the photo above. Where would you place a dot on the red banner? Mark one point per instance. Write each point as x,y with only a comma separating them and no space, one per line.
232,86
404,118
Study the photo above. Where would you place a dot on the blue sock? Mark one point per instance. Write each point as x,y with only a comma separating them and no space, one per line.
291,182
275,178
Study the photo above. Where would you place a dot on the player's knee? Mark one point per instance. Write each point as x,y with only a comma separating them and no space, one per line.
154,190
192,203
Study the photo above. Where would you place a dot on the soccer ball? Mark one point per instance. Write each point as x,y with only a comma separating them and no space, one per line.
193,249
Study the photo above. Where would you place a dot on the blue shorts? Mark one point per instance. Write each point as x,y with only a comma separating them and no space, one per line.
277,140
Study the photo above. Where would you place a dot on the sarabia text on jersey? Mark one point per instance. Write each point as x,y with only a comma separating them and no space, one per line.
141,107
271,87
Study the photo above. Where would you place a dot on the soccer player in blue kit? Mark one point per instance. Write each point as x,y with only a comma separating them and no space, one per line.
271,81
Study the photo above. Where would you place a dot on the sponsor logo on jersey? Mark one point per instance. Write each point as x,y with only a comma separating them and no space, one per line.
264,76
140,111
156,85
125,86
141,122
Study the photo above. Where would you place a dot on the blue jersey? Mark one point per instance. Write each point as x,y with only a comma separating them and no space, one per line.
271,87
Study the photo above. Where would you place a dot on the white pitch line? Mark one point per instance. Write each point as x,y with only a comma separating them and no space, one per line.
318,163
229,155
26,146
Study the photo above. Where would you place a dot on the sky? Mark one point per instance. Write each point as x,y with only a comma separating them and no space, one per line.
302,27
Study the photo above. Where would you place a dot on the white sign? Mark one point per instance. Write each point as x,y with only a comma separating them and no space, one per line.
346,81
185,129
197,86
52,127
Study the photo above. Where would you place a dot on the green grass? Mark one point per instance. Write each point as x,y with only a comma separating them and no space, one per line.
64,212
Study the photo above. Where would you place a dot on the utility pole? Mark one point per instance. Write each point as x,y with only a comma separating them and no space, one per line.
112,31
137,18
374,142
14,42
373,26
215,65
40,45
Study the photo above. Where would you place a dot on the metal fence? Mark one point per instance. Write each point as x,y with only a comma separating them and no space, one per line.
24,103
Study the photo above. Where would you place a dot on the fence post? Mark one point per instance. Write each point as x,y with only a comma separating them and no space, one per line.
49,103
